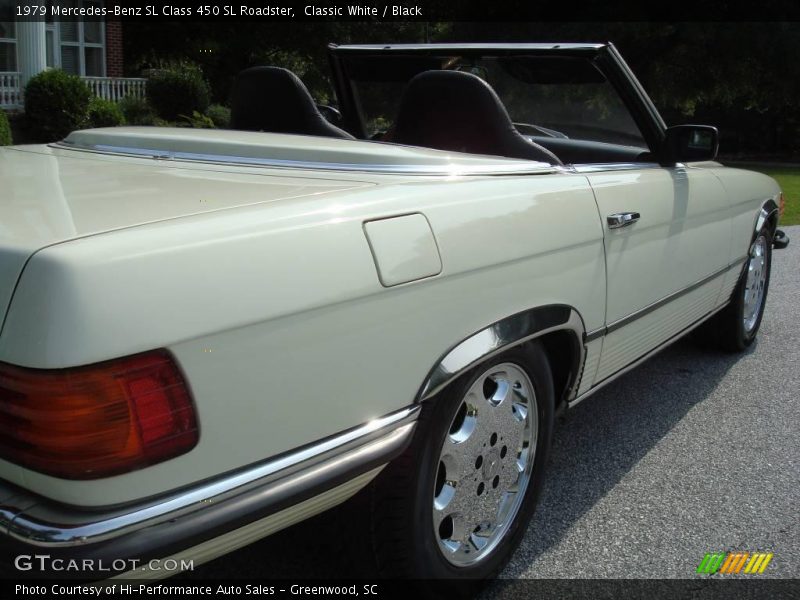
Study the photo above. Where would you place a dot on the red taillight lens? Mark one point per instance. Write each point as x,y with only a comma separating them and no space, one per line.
95,421
781,205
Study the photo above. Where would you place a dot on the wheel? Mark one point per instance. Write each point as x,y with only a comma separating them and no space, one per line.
457,503
736,326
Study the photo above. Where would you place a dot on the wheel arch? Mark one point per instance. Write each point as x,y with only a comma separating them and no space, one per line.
767,215
558,327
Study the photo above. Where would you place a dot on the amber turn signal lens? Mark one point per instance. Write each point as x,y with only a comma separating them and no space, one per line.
98,420
781,205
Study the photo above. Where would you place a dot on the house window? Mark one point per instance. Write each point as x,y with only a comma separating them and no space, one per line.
81,44
8,47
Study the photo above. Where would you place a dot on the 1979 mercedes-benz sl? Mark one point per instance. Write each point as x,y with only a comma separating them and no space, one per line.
210,335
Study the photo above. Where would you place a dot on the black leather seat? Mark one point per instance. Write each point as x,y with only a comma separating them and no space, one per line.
457,111
275,100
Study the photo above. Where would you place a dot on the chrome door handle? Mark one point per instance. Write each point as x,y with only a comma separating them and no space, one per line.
618,220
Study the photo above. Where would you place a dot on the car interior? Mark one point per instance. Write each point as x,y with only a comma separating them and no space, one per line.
553,109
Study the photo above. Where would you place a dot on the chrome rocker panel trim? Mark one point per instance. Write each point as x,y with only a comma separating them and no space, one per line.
598,386
503,335
44,523
603,331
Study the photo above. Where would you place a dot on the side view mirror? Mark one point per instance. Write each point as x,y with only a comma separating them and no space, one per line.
689,143
331,114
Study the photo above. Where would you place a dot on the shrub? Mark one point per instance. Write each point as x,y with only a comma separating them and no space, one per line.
5,130
220,115
178,89
104,113
137,111
198,121
55,104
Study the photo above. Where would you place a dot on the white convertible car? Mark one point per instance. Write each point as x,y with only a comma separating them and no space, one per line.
210,335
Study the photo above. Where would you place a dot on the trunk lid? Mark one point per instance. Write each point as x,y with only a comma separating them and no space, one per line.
49,196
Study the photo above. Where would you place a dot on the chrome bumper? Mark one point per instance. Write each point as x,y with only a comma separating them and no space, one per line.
780,240
186,517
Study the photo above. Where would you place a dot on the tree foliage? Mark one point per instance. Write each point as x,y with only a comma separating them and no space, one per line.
178,89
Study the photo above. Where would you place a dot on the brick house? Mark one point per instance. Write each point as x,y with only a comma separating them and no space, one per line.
89,48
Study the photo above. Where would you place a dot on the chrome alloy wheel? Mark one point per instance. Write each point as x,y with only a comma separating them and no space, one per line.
485,464
755,283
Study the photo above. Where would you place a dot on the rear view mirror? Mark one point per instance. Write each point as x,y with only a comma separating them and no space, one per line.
690,143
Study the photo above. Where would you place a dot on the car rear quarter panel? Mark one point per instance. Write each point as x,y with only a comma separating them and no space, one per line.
277,316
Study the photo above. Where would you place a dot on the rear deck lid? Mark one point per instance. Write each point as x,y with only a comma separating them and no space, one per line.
50,195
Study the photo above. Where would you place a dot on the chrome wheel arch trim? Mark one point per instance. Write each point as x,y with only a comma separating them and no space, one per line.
503,335
768,208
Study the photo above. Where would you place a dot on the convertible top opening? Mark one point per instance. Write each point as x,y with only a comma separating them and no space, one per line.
561,102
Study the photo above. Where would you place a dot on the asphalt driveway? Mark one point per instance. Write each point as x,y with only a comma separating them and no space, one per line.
693,452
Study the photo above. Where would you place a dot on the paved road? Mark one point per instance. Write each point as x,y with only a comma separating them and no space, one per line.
694,451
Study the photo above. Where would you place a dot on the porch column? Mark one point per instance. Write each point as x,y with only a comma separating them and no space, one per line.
31,50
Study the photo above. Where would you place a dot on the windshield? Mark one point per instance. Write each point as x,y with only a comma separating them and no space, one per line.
552,96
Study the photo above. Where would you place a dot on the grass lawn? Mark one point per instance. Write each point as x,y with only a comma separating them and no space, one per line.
789,180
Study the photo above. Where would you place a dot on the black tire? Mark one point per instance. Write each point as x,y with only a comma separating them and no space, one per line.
727,330
404,539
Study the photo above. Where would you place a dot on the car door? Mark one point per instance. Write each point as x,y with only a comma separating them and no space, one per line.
667,232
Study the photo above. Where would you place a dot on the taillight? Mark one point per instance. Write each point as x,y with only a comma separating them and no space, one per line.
781,205
95,421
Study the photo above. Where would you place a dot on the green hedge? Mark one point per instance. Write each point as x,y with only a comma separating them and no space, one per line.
177,90
137,111
104,113
220,115
55,105
5,130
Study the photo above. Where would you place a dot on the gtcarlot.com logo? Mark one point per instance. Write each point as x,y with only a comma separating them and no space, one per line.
47,563
734,563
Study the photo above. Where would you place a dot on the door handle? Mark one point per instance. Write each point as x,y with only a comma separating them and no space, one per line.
618,220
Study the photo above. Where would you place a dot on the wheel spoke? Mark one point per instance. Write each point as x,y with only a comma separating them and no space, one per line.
451,529
505,503
478,541
501,392
445,496
465,421
520,411
451,545
457,467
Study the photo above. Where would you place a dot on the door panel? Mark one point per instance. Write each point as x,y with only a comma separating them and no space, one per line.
681,237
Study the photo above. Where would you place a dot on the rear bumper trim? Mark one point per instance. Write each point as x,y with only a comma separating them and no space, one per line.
262,488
